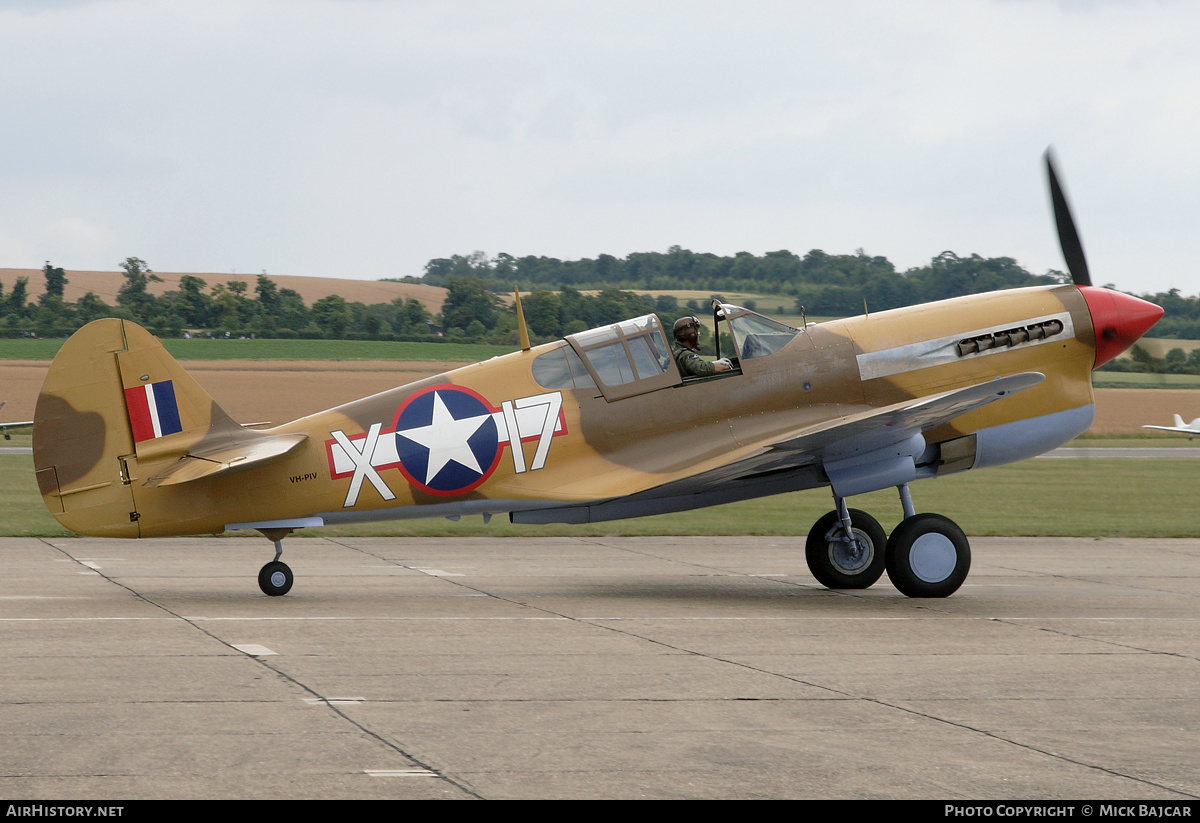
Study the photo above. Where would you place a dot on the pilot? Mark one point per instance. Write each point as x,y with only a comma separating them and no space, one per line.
687,351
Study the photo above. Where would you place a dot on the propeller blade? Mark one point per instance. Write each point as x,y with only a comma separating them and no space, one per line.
1068,237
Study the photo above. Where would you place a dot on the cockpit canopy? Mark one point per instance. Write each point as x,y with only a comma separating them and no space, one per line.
623,352
621,359
627,358
634,357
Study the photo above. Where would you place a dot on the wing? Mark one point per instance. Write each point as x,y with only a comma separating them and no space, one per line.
862,452
1183,428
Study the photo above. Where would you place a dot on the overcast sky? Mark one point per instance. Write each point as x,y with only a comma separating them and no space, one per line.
361,138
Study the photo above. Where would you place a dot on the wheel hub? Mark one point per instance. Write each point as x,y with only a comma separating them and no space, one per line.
932,557
851,555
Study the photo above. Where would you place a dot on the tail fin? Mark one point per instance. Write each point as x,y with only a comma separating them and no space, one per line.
1179,424
117,416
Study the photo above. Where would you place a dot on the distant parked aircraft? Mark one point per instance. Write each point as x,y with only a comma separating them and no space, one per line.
1190,429
4,427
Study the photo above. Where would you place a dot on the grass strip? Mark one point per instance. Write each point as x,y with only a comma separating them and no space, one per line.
1082,497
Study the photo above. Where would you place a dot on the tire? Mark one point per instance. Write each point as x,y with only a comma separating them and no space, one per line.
275,579
832,560
928,556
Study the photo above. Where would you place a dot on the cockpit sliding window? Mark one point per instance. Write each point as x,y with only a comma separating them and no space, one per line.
627,358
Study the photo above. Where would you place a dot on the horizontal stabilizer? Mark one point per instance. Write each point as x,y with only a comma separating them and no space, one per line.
228,458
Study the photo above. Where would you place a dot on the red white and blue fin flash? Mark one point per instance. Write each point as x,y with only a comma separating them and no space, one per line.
153,411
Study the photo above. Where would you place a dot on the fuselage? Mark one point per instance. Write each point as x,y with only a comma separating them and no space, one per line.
534,431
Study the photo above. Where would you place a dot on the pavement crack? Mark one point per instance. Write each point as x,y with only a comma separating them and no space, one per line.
267,664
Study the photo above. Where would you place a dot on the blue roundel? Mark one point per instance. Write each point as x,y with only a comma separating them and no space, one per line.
447,440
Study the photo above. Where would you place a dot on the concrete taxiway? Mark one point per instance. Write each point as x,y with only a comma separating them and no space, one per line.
593,668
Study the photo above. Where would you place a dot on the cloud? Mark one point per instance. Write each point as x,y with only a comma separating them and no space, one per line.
364,138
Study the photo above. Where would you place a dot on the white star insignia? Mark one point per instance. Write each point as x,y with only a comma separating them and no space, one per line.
447,439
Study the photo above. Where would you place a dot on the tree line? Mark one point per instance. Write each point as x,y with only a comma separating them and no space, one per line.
820,284
1175,361
470,312
836,285
221,309
825,284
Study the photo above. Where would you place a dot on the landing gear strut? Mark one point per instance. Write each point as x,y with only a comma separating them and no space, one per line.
275,578
927,555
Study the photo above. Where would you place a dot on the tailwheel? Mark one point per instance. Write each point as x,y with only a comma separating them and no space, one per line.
275,578
928,556
839,563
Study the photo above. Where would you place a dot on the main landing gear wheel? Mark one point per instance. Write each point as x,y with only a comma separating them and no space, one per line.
836,562
928,556
275,578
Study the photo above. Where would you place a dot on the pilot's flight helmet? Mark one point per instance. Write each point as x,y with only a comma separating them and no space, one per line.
682,323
